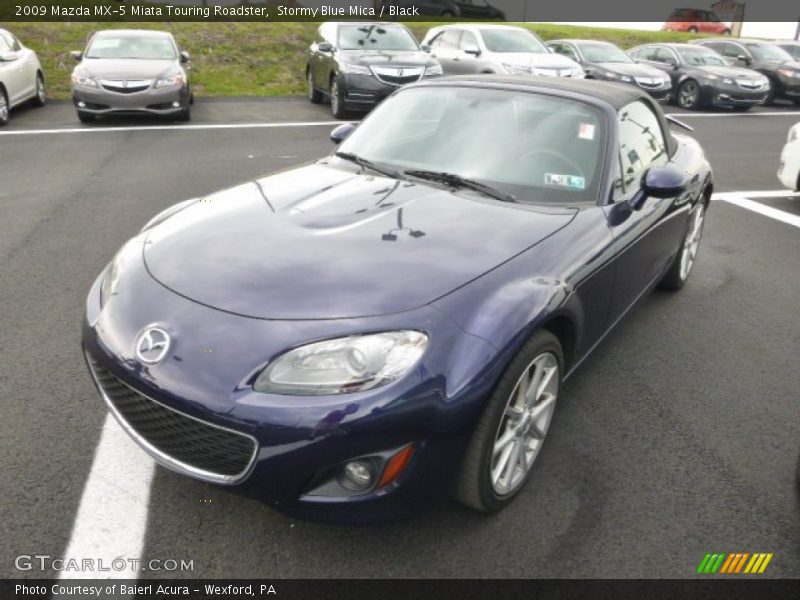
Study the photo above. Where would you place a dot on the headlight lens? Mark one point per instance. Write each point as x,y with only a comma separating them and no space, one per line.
109,282
789,73
727,81
84,81
173,81
517,69
343,365
355,69
433,70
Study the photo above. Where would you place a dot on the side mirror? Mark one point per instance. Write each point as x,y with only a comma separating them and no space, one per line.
342,132
325,47
660,182
185,58
77,55
8,56
473,50
425,48
743,59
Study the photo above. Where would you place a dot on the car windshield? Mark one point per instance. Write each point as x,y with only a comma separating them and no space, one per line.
697,57
511,40
375,37
768,52
147,47
604,53
538,148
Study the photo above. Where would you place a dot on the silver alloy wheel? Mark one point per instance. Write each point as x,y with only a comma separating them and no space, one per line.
524,424
692,242
334,96
40,91
3,108
687,96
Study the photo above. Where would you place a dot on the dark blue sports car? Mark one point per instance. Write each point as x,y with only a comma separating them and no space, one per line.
349,339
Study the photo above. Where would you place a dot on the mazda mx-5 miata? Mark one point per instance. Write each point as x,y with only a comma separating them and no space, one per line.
350,339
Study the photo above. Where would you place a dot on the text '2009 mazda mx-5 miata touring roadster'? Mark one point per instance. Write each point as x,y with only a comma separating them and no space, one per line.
349,339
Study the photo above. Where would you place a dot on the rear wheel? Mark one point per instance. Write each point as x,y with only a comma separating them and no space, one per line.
681,266
40,99
511,431
85,117
314,95
688,95
3,107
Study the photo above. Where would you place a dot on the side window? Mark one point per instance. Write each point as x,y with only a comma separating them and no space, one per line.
451,39
468,41
10,41
437,40
4,45
641,144
663,55
646,53
566,50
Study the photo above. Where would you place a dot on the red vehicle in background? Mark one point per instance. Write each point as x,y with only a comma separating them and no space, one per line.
693,20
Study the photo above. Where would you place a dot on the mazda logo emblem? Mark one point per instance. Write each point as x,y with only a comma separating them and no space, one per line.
152,345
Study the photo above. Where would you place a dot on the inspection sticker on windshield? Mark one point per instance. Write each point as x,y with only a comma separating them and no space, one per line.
586,131
574,182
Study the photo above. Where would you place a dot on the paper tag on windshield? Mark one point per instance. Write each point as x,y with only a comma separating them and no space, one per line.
574,182
586,131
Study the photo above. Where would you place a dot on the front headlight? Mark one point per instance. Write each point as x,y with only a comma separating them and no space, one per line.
109,283
433,70
727,81
711,76
83,81
517,69
789,73
343,365
577,73
354,69
172,81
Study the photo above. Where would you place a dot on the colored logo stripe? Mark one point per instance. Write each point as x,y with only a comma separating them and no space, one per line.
734,563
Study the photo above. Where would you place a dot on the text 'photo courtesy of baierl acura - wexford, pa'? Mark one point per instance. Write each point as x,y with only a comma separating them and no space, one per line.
393,298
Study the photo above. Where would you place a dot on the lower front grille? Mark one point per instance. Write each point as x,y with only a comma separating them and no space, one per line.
181,442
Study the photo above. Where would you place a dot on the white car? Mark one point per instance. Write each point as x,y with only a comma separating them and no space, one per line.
486,48
789,170
21,76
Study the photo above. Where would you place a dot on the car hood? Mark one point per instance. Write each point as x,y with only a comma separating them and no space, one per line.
322,242
732,72
377,58
125,68
630,69
539,60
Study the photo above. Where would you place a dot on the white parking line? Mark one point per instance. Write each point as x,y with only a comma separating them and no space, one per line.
741,200
172,127
791,113
112,516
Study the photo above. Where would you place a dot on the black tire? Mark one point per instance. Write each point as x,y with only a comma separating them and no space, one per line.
726,32
40,98
448,14
796,101
314,95
682,95
742,107
674,279
769,99
473,485
185,115
85,117
338,109
4,107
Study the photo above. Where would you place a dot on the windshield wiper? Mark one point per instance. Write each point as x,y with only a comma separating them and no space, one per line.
367,164
456,181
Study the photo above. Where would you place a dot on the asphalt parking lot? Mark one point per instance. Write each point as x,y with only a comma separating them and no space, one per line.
680,436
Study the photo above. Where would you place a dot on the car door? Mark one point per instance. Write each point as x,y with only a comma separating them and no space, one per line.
445,49
645,238
666,60
20,83
467,58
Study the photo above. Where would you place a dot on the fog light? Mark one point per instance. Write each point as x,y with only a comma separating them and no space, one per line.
358,475
82,104
176,104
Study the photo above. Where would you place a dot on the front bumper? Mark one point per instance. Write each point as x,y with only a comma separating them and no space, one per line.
788,88
161,101
729,95
207,376
363,92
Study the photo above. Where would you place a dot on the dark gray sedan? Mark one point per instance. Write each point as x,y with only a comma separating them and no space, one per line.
132,72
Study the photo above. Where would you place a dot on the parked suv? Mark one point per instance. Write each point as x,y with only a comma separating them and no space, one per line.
695,21
484,48
701,77
21,78
605,61
357,65
782,70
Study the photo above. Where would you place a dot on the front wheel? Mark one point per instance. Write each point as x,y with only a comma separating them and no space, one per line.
689,95
511,431
3,107
337,99
40,98
682,264
314,95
